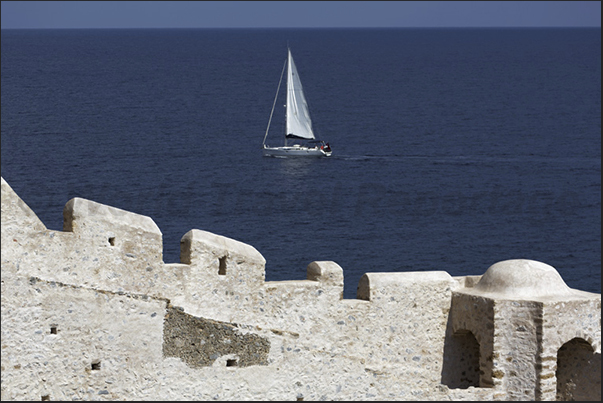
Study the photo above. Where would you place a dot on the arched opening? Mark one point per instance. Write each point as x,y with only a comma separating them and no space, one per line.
461,361
578,371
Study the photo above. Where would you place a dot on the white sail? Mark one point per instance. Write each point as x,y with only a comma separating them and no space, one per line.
299,124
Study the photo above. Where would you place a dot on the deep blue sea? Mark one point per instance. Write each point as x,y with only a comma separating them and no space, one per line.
453,149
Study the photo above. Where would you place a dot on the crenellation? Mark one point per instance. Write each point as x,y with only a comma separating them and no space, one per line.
93,313
386,287
131,234
16,214
329,274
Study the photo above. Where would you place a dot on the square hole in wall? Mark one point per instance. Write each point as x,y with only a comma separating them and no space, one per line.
96,365
112,241
222,268
231,363
45,398
53,329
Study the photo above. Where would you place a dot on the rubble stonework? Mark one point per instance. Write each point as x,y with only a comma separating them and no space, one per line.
93,313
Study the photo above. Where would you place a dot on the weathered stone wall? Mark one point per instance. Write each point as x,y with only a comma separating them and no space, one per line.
61,342
93,312
517,335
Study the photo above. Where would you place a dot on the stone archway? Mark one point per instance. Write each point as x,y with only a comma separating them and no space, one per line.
462,366
578,371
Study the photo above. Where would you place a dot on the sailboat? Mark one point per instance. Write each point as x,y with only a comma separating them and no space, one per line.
299,124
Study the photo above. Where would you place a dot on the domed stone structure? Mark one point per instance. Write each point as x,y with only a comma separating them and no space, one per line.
522,279
519,315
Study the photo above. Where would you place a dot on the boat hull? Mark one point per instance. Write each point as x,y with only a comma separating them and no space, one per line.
286,152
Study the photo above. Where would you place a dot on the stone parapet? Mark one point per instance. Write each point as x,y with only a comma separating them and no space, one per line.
93,313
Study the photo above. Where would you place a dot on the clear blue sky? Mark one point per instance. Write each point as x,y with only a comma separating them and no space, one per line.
298,14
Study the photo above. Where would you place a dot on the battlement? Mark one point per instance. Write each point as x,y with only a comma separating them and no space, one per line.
93,312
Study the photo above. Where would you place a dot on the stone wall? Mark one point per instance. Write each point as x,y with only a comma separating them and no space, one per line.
92,312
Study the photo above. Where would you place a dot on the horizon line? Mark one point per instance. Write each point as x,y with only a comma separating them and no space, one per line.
368,27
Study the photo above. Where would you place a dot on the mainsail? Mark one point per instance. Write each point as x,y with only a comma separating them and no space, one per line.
299,124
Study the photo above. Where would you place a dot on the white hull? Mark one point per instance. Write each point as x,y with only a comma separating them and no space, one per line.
295,151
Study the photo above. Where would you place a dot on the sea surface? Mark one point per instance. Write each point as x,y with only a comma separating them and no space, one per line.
453,149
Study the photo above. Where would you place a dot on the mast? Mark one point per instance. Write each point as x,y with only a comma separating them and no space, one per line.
273,104
287,94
